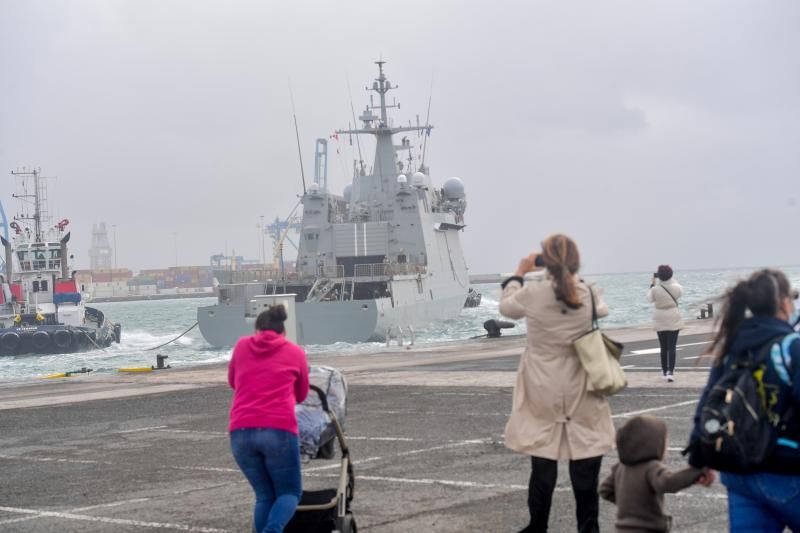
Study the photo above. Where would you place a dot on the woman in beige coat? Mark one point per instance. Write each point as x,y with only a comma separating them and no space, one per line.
553,417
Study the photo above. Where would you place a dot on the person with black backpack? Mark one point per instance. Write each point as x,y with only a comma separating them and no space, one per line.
747,423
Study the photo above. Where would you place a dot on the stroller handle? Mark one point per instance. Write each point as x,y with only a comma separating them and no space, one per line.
323,398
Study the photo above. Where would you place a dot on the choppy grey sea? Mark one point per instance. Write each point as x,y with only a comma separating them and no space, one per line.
147,324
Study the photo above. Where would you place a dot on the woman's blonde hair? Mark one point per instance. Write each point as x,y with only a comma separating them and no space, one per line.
562,260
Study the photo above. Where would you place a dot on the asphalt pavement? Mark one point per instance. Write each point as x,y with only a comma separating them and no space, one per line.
425,425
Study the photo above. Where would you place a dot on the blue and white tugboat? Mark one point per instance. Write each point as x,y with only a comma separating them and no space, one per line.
41,311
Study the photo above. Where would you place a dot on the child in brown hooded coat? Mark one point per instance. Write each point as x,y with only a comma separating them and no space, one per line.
638,482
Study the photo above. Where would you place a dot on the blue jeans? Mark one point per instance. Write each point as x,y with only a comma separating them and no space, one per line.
762,502
270,460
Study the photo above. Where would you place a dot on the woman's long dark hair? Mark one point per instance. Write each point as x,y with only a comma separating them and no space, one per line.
272,319
761,294
562,260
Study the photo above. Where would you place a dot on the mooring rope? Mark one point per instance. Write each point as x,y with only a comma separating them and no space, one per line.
173,340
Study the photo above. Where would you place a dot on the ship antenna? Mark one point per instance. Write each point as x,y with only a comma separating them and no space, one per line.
297,135
353,112
427,127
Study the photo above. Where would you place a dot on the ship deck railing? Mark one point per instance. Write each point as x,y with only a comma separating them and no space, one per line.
363,272
375,271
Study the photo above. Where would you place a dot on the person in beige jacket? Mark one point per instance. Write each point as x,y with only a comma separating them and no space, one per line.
553,417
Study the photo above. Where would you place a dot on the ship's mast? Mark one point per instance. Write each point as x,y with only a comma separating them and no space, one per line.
37,197
381,85
370,190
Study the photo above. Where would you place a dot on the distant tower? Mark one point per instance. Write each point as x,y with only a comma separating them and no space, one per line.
100,253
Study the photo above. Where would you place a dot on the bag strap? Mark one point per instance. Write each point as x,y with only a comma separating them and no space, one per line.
670,295
595,323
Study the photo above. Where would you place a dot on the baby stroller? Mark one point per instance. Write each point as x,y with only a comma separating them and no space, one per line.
321,422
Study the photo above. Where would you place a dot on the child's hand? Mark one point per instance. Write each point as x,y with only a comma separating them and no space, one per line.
707,478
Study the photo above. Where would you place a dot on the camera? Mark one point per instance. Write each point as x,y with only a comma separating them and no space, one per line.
655,274
539,261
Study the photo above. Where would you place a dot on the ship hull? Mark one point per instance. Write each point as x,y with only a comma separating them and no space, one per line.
331,322
54,339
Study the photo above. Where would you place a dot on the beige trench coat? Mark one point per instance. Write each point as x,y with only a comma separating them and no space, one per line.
552,415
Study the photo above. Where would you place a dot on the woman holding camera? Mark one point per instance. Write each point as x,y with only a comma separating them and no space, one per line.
269,376
553,417
664,294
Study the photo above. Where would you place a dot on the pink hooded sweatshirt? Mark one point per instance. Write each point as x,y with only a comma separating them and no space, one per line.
269,376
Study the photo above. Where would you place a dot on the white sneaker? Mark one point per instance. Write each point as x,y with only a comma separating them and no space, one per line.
670,378
665,377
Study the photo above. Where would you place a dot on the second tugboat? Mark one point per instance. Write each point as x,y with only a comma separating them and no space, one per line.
41,311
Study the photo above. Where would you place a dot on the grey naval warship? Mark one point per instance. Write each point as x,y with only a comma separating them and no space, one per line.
375,262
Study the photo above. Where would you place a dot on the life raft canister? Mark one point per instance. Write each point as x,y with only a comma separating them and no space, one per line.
10,341
40,340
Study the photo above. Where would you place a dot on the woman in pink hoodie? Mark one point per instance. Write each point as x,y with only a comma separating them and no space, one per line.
269,376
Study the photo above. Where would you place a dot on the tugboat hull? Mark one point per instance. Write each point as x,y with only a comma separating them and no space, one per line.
58,338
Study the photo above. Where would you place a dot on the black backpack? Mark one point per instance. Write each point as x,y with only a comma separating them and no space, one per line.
737,433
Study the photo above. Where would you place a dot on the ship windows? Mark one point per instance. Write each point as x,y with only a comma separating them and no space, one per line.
40,286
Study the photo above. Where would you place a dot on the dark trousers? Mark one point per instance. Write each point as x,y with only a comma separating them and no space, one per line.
668,341
584,475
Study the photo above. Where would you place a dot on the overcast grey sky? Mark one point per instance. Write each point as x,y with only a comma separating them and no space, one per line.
649,131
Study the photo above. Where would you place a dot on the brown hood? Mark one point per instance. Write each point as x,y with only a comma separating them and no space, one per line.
642,438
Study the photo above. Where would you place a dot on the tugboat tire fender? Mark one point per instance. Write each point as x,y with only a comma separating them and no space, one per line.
11,340
81,338
62,338
40,340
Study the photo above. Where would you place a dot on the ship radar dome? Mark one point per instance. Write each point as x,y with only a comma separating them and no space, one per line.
454,189
402,179
348,193
314,188
418,179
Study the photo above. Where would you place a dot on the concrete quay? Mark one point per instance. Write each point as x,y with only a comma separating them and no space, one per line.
425,423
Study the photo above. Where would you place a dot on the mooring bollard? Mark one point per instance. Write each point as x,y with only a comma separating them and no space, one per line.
160,362
706,312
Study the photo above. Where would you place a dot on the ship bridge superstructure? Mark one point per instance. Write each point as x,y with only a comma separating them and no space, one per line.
385,221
